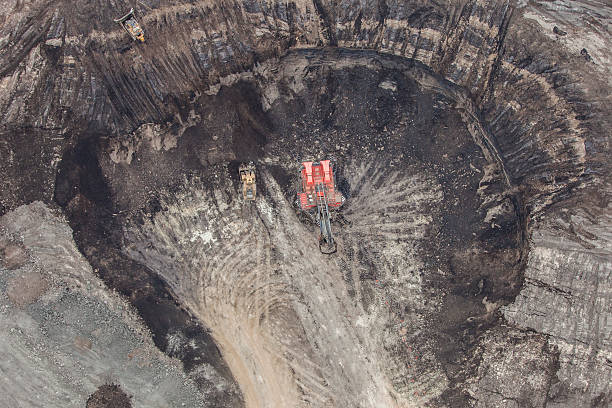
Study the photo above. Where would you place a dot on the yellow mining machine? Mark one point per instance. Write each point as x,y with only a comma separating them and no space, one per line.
247,176
129,23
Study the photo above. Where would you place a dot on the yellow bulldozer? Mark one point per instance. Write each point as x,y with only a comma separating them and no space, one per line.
129,23
247,176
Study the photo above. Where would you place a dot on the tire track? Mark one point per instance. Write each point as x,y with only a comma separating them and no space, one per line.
385,207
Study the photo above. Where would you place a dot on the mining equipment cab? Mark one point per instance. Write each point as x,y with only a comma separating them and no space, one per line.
247,177
318,193
129,23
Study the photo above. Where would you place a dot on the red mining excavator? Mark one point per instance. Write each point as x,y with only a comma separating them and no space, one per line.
318,190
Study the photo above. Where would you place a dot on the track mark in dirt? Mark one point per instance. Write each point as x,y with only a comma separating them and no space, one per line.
256,278
389,218
225,275
325,308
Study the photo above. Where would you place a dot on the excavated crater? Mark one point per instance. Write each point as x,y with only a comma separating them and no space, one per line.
470,139
431,236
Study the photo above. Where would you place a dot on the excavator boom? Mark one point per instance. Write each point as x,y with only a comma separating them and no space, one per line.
327,245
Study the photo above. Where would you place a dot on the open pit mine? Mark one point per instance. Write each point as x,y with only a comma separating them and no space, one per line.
287,204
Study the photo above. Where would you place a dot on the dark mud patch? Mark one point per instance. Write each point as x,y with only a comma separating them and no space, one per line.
109,396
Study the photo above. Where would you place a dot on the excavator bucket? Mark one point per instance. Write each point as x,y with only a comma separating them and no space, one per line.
129,23
247,176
